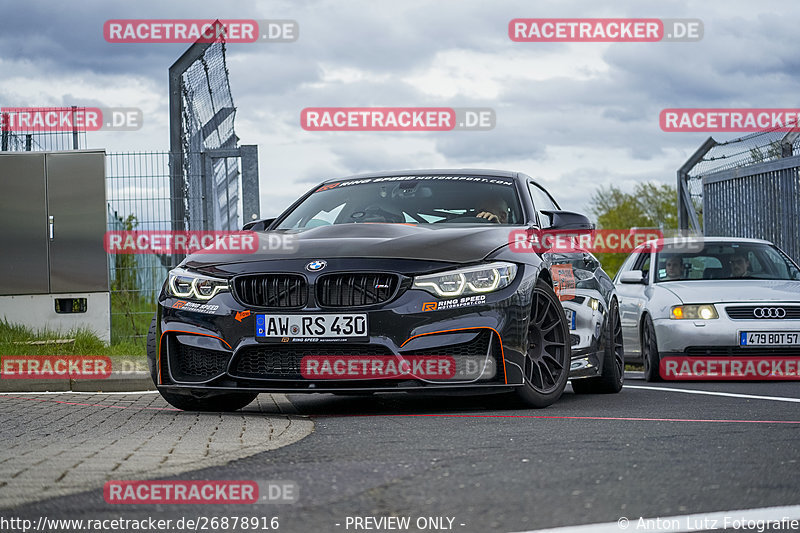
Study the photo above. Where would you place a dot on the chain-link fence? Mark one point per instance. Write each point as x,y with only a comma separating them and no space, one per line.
200,94
745,187
138,199
28,137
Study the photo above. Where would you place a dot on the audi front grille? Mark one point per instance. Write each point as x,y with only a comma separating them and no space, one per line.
764,312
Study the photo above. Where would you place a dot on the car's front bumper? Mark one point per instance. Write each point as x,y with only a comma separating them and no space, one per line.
720,336
215,348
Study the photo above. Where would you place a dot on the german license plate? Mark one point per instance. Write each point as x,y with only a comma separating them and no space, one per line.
311,326
769,338
570,318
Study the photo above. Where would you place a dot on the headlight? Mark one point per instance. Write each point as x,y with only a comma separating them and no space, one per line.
694,312
185,284
478,279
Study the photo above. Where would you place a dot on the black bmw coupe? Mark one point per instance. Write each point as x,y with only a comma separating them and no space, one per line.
393,281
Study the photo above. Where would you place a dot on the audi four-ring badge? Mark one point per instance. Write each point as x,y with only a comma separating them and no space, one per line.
715,297
395,281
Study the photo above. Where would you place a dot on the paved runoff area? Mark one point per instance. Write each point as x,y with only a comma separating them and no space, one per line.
58,444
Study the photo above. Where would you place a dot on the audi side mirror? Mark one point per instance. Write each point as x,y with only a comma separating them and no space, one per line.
632,276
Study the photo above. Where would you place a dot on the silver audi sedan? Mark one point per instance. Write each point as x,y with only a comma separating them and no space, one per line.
720,297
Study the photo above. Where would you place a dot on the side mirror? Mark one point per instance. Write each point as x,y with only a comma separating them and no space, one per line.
258,225
567,220
632,276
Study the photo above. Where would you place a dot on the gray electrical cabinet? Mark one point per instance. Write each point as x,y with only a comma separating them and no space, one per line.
54,269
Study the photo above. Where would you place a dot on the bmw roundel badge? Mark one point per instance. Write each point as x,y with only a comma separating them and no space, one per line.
313,266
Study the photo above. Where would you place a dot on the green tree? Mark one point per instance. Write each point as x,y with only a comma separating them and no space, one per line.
649,206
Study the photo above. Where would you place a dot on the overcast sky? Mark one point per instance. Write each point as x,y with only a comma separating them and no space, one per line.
573,115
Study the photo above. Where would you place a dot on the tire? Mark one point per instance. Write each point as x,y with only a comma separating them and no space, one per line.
211,402
197,400
613,375
152,349
547,357
650,355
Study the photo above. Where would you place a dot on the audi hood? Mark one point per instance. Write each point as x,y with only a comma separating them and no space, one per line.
735,290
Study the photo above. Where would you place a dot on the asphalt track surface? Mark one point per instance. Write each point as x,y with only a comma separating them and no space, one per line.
654,450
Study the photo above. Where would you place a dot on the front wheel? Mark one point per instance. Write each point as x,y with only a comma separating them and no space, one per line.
611,378
650,354
548,350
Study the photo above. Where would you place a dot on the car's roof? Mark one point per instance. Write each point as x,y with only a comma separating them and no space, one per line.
435,172
705,239
673,240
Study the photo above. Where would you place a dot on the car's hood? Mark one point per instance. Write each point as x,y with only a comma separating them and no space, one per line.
745,290
458,244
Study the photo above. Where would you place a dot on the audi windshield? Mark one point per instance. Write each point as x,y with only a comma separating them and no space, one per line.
725,260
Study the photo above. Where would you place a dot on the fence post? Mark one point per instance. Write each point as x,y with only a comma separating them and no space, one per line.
787,142
687,216
251,204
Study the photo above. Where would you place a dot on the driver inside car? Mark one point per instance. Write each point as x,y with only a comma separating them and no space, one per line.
740,266
495,210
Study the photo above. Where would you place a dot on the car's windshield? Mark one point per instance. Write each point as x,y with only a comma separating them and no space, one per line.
728,260
410,200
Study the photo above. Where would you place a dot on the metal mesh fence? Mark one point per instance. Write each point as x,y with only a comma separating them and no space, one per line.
748,186
207,123
144,191
751,149
763,203
22,137
138,198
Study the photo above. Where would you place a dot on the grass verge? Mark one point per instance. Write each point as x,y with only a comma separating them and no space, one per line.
20,340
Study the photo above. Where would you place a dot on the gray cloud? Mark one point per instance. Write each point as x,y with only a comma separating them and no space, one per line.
577,131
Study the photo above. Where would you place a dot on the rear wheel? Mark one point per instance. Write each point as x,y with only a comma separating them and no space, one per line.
613,374
650,355
548,349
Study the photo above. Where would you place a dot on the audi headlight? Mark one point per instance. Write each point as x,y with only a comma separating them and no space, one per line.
185,284
478,279
694,312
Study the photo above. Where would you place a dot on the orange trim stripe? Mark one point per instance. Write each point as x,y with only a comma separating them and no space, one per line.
161,343
502,352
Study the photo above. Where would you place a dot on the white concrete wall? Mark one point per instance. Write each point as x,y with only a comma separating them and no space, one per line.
38,311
